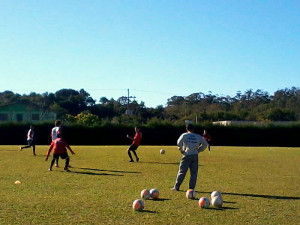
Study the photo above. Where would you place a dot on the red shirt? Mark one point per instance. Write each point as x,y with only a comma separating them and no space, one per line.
59,146
207,137
137,138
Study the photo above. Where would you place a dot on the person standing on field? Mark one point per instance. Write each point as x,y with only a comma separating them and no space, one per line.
136,140
207,137
59,147
189,144
55,130
30,140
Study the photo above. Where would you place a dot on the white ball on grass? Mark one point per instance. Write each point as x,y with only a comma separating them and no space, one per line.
162,151
215,193
190,194
217,201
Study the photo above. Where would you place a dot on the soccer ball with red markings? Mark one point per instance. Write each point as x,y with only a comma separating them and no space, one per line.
190,194
145,194
204,202
154,193
138,205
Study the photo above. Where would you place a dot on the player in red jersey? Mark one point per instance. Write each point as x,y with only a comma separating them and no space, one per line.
135,143
207,137
55,130
59,147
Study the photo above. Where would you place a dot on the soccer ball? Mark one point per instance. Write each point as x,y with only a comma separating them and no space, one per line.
17,182
215,193
154,193
204,202
138,205
162,151
190,194
145,194
217,201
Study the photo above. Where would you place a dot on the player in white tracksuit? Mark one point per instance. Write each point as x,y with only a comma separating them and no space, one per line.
55,130
189,144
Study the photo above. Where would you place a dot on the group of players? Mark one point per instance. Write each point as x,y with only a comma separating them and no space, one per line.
58,145
189,144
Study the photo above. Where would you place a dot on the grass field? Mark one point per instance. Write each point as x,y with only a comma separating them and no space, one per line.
259,185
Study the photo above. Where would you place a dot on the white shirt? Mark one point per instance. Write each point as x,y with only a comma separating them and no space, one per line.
191,143
30,135
54,132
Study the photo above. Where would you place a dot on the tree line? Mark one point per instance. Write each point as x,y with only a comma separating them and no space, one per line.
78,107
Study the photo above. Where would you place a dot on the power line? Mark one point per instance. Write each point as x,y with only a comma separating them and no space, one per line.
158,92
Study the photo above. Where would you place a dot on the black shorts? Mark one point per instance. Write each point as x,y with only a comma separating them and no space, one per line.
30,142
62,155
133,147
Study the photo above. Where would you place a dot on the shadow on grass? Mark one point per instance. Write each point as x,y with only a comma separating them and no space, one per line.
147,211
222,208
101,170
229,202
166,163
159,199
170,163
94,174
266,196
261,196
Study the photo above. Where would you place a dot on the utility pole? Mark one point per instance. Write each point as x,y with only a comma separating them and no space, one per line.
129,97
128,101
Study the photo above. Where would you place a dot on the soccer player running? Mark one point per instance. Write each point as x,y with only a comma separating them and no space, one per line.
135,144
30,140
189,144
55,130
59,147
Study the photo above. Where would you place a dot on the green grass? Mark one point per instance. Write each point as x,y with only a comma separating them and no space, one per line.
259,185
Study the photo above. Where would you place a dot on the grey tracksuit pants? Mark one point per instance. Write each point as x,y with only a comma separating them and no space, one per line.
188,162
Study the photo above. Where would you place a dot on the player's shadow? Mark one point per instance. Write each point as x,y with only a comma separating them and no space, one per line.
95,174
169,163
113,171
159,199
262,196
222,208
229,202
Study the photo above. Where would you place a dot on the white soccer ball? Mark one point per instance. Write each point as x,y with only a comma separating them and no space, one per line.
190,194
217,201
145,194
162,151
138,205
154,193
17,182
204,202
215,193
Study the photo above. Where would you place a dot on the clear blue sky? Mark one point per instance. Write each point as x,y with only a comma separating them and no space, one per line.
156,48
